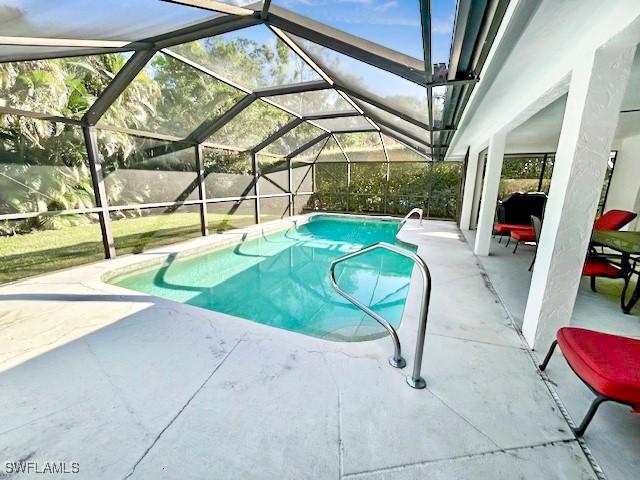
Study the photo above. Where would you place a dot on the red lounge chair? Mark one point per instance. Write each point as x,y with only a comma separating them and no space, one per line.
613,220
505,229
522,236
600,267
608,364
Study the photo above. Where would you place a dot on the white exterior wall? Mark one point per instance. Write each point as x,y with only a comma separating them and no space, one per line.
546,49
535,63
597,86
624,192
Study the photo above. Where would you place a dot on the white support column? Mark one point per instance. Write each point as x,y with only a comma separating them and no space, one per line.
598,84
469,188
477,191
495,157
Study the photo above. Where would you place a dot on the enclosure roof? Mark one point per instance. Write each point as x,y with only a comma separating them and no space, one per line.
254,76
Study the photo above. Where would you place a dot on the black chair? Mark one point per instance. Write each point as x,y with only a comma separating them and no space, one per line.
517,208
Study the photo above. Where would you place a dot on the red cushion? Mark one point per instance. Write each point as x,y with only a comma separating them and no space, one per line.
613,220
524,235
599,267
610,364
507,228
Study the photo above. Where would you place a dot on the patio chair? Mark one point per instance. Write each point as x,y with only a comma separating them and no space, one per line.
614,220
599,266
516,208
505,229
522,236
608,364
514,212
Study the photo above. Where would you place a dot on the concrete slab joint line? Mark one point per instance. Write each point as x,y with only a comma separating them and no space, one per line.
182,409
547,382
464,419
399,468
442,426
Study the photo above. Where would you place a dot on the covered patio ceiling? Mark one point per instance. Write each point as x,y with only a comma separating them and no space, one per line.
341,83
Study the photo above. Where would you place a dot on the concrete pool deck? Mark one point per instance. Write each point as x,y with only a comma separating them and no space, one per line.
614,434
133,386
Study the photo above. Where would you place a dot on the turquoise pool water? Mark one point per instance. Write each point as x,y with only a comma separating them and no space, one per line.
281,279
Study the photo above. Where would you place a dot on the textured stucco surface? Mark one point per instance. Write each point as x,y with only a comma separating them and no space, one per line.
591,115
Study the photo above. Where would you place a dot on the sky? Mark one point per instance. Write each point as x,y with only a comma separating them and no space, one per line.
96,20
392,23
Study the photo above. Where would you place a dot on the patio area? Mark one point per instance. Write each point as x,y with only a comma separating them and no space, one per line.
614,435
143,387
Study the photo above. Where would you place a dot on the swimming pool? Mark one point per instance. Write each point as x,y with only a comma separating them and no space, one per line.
281,279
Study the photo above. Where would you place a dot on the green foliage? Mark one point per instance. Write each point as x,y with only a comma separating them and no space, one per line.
522,174
294,139
170,97
65,86
522,167
248,61
445,184
223,161
43,165
51,174
251,126
430,186
367,187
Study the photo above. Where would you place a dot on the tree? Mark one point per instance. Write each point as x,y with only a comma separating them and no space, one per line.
43,165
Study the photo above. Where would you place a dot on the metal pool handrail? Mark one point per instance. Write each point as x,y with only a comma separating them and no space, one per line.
408,215
414,380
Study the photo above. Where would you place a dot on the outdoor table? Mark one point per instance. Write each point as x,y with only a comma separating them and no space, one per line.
628,244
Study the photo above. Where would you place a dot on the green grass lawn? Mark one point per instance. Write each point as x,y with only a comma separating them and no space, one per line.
612,289
44,251
48,250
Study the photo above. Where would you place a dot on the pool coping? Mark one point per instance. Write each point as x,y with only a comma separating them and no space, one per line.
196,247
133,263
